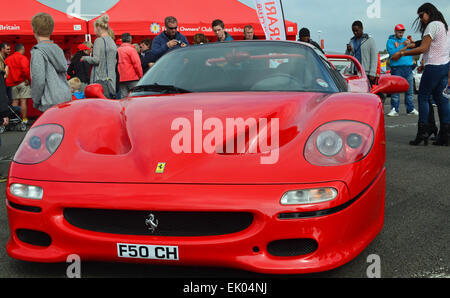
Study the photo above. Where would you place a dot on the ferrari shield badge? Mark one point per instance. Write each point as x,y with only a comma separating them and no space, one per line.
160,168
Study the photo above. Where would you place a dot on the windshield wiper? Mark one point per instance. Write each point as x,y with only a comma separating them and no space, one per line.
160,88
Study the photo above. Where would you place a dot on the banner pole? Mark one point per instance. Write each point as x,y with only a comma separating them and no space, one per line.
284,21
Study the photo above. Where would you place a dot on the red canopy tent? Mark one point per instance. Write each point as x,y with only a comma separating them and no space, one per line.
16,19
145,18
15,27
15,24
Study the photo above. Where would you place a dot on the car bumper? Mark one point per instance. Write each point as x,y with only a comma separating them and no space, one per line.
341,229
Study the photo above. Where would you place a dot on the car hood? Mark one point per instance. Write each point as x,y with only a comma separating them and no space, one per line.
128,141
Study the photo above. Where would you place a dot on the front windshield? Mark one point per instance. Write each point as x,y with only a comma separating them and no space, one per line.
239,66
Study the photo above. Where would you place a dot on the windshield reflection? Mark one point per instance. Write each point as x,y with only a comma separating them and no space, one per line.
240,66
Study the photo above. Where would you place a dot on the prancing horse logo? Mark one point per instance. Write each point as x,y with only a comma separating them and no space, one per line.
151,223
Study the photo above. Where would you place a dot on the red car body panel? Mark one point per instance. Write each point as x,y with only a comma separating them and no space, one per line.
110,151
341,236
359,83
123,128
356,83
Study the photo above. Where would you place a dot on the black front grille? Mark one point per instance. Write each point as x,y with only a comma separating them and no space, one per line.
171,224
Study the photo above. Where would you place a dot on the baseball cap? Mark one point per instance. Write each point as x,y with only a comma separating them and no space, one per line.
400,27
83,47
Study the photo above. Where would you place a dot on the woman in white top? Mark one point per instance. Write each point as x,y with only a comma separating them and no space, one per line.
435,47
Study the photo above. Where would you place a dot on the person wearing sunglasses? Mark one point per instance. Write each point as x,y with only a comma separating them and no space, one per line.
168,40
435,47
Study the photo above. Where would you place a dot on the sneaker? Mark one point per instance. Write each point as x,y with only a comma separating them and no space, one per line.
414,112
392,113
446,92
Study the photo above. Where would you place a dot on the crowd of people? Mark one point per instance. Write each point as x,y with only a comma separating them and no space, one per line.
115,64
48,79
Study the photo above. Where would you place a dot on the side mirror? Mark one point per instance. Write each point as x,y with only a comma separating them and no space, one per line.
94,91
391,85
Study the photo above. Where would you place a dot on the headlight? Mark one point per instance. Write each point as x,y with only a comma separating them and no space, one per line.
26,191
309,196
354,140
329,143
39,144
339,143
53,141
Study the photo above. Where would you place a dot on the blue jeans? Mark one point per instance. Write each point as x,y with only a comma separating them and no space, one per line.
434,81
405,72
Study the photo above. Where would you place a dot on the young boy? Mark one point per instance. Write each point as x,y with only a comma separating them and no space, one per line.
75,87
48,66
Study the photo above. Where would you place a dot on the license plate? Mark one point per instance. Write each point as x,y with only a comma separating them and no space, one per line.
153,252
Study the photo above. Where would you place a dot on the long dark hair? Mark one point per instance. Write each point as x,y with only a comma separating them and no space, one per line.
433,12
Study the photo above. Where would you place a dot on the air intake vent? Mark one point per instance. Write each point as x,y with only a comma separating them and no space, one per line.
34,237
292,247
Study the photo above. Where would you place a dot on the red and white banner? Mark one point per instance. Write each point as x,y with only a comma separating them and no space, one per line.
270,16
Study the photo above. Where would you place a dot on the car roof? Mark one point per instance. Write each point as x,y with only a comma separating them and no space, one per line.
235,42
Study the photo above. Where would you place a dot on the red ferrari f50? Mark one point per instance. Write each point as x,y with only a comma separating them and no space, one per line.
252,155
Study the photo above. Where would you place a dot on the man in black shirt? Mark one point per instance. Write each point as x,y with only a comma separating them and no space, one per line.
305,36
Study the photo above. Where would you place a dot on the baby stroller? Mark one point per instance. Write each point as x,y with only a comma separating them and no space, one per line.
15,121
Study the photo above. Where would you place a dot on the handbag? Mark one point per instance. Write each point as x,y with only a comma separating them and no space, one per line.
107,83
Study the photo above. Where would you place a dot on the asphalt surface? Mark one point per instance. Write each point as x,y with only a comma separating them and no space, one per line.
414,242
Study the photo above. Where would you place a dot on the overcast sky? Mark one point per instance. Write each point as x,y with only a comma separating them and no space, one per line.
332,17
